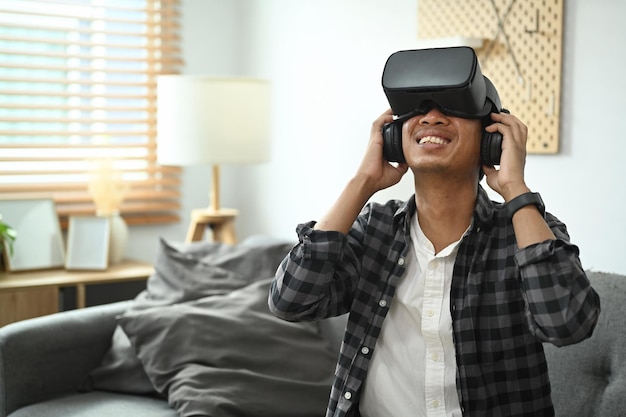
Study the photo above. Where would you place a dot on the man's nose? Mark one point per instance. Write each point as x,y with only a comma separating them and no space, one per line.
434,116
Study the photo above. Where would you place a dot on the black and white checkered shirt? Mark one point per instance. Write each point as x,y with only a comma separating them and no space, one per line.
505,302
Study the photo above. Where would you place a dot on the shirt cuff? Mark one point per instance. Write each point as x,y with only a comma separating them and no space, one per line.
320,245
542,251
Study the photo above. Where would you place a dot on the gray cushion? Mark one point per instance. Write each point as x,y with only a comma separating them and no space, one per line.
180,272
227,355
588,378
120,371
202,334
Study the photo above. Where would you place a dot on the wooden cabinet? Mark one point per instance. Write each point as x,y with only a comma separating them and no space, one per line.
30,294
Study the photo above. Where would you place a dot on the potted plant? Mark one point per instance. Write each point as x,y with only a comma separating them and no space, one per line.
7,235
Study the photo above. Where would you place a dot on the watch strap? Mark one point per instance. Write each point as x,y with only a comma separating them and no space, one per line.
524,200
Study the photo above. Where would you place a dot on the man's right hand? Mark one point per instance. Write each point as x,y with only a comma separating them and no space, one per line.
379,173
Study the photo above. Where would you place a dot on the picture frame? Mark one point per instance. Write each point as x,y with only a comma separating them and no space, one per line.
88,240
39,243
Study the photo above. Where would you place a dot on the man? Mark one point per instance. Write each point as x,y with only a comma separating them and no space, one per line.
449,294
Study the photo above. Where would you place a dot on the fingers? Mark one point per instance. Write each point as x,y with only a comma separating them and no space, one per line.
509,126
373,166
386,117
514,133
510,176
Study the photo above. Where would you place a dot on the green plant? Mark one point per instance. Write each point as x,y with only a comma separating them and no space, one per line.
7,235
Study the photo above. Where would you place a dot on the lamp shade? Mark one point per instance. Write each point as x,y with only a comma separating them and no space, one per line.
207,120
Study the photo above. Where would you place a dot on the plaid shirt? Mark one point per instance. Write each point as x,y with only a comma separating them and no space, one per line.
505,302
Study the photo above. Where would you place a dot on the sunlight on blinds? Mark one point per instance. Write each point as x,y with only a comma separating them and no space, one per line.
77,87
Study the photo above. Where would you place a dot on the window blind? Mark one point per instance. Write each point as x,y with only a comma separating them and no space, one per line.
77,104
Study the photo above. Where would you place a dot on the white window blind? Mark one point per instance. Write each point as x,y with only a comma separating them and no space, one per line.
77,99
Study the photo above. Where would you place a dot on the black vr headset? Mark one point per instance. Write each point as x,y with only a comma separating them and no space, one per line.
415,81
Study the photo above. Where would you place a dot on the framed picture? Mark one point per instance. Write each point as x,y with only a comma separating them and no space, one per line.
88,242
39,243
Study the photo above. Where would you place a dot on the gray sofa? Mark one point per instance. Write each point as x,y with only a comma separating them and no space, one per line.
198,341
44,363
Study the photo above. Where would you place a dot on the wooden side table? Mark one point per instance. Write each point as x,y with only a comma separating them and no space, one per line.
222,223
30,294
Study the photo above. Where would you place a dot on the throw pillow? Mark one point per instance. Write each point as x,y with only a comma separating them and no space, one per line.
184,271
120,371
226,355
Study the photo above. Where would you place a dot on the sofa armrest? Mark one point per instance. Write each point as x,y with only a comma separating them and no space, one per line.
50,355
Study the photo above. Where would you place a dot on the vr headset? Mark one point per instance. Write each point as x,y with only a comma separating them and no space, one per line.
415,81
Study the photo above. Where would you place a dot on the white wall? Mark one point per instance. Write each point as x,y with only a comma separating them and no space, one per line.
325,59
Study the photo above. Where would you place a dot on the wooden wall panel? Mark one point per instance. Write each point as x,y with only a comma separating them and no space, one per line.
521,54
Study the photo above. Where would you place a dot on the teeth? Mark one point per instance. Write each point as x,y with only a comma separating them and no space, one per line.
432,139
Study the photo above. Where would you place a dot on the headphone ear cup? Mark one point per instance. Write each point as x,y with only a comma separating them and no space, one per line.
491,148
392,142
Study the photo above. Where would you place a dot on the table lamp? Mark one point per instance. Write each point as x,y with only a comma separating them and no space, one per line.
211,120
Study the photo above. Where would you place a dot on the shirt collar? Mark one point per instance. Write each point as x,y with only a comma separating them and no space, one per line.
483,213
402,216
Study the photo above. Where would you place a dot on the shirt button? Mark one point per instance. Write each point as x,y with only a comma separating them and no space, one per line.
434,357
347,395
365,350
401,261
430,313
435,403
382,303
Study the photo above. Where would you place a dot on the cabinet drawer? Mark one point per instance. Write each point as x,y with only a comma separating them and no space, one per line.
28,303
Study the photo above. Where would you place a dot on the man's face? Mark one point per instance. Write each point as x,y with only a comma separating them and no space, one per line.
435,142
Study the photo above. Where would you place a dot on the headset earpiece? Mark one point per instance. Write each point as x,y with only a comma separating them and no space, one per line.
491,148
392,138
491,144
392,142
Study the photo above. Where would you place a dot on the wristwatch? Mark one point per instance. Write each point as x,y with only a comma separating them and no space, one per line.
524,200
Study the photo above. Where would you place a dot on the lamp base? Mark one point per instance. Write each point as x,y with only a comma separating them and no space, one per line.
221,221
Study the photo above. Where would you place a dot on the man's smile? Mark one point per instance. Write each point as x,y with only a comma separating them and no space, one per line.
433,139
